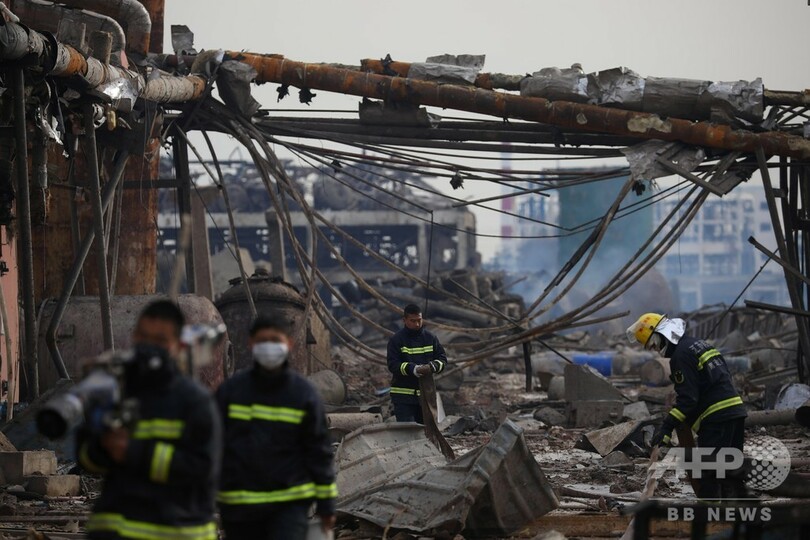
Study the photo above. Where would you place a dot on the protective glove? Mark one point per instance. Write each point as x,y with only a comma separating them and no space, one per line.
661,435
422,370
435,366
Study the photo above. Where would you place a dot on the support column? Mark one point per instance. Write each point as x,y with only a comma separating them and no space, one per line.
98,227
24,245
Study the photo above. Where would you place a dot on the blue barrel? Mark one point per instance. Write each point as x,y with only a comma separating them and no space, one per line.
601,362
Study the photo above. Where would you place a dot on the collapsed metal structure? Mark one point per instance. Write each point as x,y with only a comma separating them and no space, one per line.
118,94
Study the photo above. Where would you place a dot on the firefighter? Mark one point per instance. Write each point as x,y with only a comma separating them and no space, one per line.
412,353
160,475
706,399
278,453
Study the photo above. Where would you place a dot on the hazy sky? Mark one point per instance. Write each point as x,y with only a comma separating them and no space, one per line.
700,39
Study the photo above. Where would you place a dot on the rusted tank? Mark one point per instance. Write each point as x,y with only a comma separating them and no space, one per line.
80,338
311,353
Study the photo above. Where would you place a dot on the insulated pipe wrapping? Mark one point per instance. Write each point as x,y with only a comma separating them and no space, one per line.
130,13
120,84
16,42
168,89
564,114
488,81
46,17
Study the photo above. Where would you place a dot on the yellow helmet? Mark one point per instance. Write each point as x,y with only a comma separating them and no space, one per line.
643,328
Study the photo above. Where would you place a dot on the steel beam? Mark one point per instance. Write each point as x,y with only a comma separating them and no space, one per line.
785,254
98,227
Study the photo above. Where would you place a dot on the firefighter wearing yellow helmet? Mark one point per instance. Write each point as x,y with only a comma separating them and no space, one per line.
706,399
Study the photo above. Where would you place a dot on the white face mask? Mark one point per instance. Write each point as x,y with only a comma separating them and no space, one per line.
269,354
657,343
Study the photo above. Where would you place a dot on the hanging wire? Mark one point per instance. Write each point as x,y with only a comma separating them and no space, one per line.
430,265
622,280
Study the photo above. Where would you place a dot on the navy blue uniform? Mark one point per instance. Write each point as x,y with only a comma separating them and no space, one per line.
705,392
406,350
278,454
167,484
708,403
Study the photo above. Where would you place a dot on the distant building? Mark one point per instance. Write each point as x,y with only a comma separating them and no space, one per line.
547,229
713,261
710,264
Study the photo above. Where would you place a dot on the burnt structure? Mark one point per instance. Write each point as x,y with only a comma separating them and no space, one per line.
109,102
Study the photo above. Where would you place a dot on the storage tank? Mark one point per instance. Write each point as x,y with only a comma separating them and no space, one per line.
312,350
80,337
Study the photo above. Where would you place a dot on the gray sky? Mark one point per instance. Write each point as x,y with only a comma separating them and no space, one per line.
697,39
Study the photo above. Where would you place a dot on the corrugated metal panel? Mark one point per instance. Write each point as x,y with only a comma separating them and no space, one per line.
495,489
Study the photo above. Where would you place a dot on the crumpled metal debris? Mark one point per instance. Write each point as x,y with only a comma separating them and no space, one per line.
182,40
123,91
744,99
680,98
492,490
569,84
207,62
234,83
643,157
619,86
368,457
448,68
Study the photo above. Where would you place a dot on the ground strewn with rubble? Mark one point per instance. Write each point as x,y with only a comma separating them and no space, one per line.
593,490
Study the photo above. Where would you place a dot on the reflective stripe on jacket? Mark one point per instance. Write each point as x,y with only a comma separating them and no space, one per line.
703,384
406,350
166,487
277,446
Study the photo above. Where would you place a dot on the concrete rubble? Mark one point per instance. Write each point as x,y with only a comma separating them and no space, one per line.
596,464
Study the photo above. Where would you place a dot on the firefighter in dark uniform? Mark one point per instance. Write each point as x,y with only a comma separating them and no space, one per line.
412,353
278,453
159,476
706,399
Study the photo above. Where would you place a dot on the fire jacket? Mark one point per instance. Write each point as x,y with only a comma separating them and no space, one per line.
167,485
705,392
277,447
406,350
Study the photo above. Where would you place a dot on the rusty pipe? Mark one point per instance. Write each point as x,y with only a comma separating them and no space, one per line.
119,165
24,245
163,89
502,105
156,11
46,16
503,81
790,99
487,81
130,13
65,61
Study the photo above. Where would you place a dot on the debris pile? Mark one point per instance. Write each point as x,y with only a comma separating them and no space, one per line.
587,422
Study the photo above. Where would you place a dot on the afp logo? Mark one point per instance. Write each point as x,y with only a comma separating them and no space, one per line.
766,460
769,462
